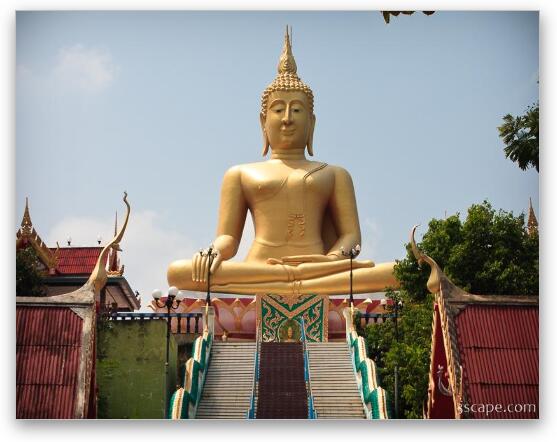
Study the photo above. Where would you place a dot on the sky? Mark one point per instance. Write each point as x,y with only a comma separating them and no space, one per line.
161,104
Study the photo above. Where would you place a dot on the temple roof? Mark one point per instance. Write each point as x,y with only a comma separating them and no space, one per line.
66,261
492,349
490,345
498,346
77,260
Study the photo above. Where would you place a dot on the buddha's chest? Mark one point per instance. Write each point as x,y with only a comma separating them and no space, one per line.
291,189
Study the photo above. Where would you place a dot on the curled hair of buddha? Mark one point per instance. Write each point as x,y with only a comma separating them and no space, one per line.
287,78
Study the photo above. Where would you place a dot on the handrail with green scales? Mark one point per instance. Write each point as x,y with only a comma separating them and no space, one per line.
250,414
312,414
184,401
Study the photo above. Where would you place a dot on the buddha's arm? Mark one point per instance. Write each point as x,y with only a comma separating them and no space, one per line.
232,216
344,214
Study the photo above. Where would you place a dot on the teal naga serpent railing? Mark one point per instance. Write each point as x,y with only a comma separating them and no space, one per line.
312,414
250,414
184,401
374,398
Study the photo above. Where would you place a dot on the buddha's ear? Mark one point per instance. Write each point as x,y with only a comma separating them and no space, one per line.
265,138
310,135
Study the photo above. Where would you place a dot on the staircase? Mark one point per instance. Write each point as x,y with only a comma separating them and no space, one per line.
282,388
333,382
228,383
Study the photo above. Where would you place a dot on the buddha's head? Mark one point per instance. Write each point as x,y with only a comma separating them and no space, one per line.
287,118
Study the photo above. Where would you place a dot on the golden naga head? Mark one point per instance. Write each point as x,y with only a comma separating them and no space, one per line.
287,80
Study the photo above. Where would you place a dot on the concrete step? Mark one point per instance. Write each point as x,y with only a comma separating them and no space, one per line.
227,393
228,382
333,384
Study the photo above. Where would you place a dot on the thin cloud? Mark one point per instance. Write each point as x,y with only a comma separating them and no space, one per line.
86,69
23,72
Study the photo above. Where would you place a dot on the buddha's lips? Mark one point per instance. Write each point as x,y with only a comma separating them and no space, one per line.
288,132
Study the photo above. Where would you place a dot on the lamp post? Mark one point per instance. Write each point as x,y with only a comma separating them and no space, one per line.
172,301
211,254
354,251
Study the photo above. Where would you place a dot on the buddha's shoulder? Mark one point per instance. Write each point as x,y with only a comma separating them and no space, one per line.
338,171
261,166
240,169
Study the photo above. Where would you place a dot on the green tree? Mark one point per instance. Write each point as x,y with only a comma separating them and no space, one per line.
410,352
29,278
489,253
521,137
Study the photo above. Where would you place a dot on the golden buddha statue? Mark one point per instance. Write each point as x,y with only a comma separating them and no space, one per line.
289,335
304,212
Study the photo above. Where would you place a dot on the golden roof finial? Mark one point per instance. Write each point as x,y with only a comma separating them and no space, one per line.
114,268
26,224
287,64
28,235
532,220
98,277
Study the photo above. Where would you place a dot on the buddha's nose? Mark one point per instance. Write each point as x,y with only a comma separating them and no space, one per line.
287,118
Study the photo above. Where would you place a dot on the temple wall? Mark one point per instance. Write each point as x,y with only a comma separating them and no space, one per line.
61,289
131,369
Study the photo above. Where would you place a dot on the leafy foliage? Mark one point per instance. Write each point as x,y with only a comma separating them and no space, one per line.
489,253
521,137
410,353
29,279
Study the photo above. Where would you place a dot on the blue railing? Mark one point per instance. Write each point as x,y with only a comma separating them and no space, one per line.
251,412
312,414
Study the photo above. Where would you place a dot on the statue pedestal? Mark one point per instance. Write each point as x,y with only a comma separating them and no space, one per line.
277,313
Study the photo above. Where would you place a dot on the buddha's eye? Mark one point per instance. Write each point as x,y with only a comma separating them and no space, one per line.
296,110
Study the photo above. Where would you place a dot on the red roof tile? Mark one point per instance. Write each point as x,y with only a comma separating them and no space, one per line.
77,260
498,346
48,347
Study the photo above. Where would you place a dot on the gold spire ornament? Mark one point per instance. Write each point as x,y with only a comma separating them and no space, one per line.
27,235
532,221
114,268
26,224
287,64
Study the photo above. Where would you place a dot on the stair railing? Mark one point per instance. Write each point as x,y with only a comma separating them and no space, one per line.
312,414
250,414
185,400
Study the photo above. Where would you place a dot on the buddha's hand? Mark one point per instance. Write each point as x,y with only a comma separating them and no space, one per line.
296,260
200,263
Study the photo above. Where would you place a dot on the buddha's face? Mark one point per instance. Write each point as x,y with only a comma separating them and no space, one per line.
289,123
